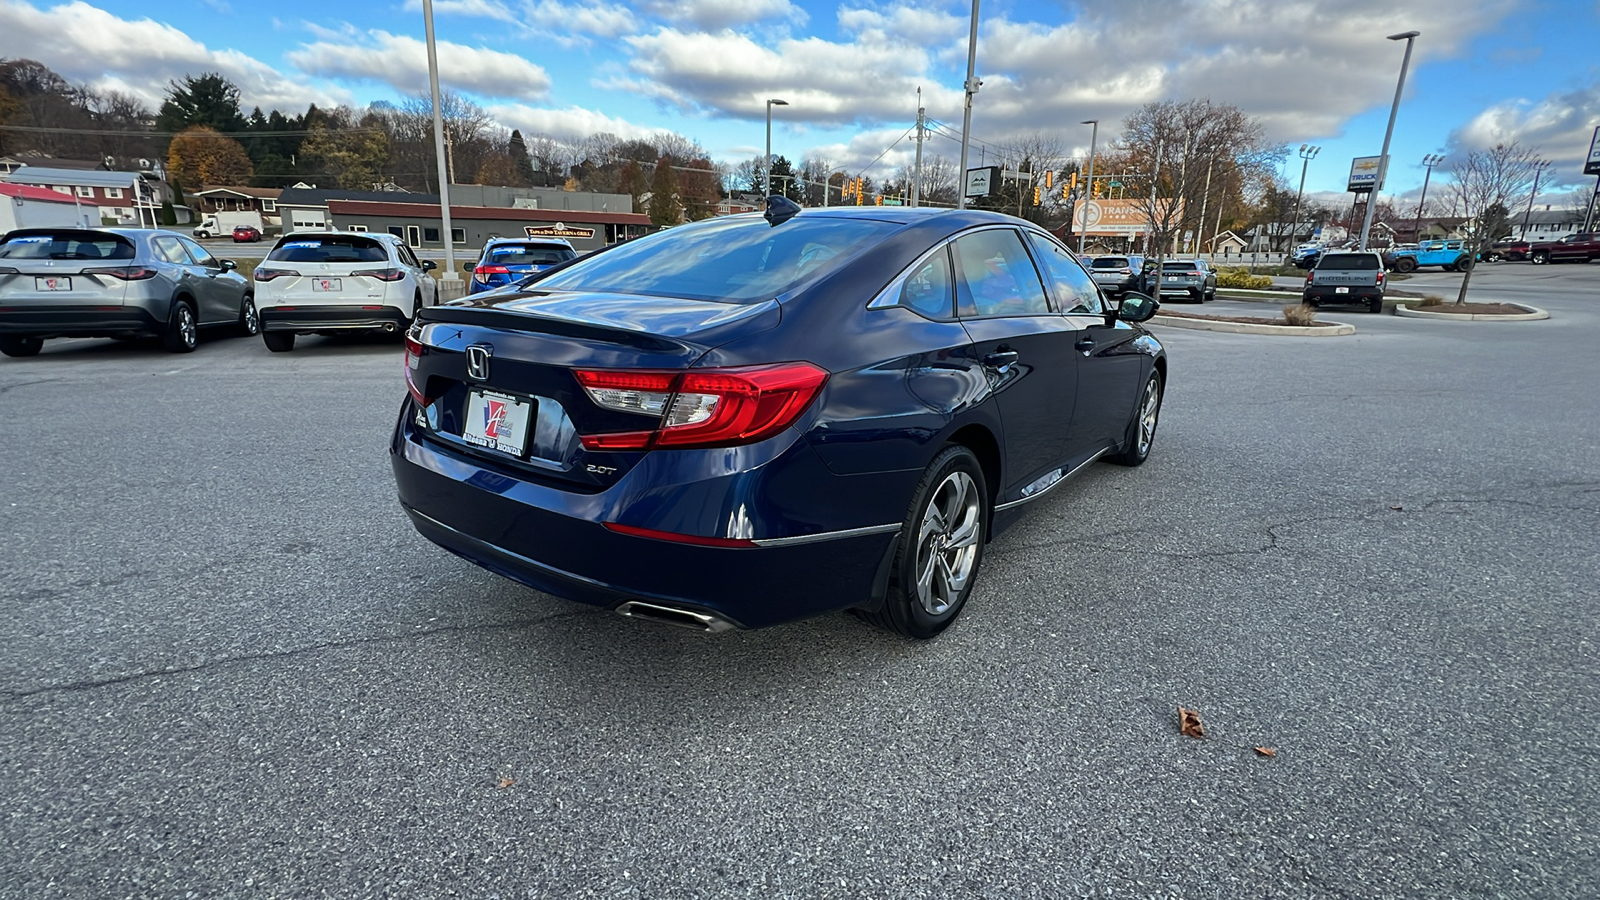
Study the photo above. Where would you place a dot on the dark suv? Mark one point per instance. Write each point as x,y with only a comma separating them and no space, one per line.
1117,275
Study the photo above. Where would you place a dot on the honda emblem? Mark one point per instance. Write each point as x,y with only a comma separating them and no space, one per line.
478,362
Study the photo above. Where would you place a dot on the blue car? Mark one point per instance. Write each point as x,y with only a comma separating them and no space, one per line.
753,419
507,260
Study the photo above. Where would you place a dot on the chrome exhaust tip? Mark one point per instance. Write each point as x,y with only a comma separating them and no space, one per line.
390,327
672,615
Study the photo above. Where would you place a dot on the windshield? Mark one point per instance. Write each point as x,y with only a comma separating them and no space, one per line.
528,254
738,259
329,250
1110,262
1359,261
65,245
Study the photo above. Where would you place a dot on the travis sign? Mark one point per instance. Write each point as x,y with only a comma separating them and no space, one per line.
1120,218
558,230
1364,175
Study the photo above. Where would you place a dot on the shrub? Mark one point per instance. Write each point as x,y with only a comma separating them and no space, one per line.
1239,278
1299,314
1430,300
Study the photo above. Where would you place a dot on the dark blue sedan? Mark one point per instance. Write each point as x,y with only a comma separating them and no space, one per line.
754,419
505,260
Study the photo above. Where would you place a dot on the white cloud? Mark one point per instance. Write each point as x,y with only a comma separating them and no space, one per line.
485,9
715,15
139,56
401,61
570,124
598,19
1560,125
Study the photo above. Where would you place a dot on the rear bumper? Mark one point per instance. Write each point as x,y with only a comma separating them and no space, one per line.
1330,293
78,321
555,540
331,318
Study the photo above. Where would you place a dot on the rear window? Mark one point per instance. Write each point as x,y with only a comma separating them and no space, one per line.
738,259
1178,267
1110,262
329,250
1357,261
65,245
528,254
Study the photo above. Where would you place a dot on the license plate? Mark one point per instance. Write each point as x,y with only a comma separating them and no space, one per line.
1341,290
325,284
52,283
498,421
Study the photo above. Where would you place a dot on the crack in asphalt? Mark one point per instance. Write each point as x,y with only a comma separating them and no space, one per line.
6,388
7,697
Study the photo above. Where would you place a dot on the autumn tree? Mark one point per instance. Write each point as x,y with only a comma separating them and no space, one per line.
700,185
634,184
664,194
500,169
201,156
1483,186
351,150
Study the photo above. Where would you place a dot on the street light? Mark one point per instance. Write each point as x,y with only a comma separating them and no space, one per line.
971,86
1538,169
1410,38
1428,162
766,161
1307,153
1088,184
449,272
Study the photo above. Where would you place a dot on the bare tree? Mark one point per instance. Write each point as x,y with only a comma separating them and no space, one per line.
1484,184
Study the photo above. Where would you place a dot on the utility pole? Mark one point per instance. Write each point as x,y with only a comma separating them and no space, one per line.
450,274
1150,234
916,174
450,154
1205,198
1538,169
1428,162
971,86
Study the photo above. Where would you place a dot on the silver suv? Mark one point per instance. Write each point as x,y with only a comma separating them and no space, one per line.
115,282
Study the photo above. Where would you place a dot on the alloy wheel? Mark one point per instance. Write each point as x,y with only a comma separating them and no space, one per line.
252,320
947,543
1149,409
186,327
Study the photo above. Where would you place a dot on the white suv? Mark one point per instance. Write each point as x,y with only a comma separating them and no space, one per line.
317,282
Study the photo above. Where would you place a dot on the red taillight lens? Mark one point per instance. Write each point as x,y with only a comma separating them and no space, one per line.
414,351
706,407
124,273
382,274
1381,273
482,273
676,538
269,274
1126,271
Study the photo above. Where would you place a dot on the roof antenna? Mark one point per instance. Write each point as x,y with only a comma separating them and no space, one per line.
780,209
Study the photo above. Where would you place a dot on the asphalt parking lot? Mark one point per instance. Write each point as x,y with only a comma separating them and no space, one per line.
232,669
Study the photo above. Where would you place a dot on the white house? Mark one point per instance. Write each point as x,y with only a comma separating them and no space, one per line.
1546,224
119,198
23,206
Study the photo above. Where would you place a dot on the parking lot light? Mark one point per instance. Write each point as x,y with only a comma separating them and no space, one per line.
1410,38
766,161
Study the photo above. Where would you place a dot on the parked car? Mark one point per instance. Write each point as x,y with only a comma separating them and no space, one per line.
1451,255
1306,255
1346,276
323,282
737,423
1581,247
115,282
1194,278
243,234
505,260
1117,275
1508,249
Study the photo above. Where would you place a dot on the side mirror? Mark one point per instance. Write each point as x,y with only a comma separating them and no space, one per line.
229,265
429,265
1137,307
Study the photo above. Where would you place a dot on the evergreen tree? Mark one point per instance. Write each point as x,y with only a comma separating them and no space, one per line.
664,194
519,156
209,100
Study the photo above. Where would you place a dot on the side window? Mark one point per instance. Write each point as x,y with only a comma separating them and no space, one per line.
1073,288
928,289
409,258
996,277
201,257
169,250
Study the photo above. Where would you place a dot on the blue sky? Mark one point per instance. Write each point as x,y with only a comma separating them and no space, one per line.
1311,71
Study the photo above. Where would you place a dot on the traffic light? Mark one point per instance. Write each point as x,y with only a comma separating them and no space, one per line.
1072,183
879,199
1049,179
1035,195
858,192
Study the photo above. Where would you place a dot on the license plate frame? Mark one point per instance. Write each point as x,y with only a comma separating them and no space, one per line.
52,283
1341,290
498,421
327,285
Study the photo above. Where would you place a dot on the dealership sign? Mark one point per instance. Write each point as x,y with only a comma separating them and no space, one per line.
558,230
1364,174
1118,218
983,181
1592,167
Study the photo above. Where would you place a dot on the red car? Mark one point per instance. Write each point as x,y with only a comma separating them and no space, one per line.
244,234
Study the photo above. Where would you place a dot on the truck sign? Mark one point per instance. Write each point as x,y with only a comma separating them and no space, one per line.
1364,174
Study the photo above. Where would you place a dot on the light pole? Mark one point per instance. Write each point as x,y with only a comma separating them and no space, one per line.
766,161
1088,183
450,273
966,115
1428,162
1410,38
1538,169
1307,154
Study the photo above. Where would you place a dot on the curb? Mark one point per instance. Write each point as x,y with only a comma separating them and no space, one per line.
1334,329
1533,312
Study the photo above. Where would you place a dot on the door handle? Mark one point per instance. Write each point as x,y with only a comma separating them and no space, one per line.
1001,359
1084,345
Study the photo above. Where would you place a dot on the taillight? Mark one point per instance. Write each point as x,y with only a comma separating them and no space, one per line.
269,274
677,538
414,350
1126,271
124,273
703,407
482,273
381,274
1191,273
1380,276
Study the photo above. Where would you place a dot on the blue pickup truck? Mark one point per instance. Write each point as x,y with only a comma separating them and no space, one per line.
1452,256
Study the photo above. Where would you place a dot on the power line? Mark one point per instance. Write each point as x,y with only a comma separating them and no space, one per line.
110,132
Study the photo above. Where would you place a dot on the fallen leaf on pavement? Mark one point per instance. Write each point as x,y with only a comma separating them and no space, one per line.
1189,723
507,782
1268,752
1397,508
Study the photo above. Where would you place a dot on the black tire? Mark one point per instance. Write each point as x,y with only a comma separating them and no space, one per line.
1375,305
1405,264
1464,264
20,347
278,341
1209,296
183,330
1540,259
955,481
1136,443
249,320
